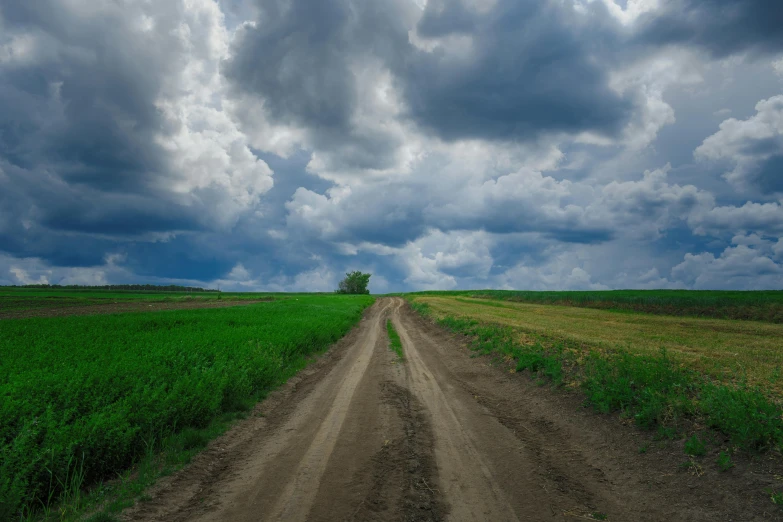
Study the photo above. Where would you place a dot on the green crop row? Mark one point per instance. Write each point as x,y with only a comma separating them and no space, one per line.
766,305
87,396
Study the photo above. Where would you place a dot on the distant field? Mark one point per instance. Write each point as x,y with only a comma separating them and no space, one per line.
46,295
751,305
725,349
36,302
91,394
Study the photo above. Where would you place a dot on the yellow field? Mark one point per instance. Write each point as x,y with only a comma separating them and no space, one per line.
725,349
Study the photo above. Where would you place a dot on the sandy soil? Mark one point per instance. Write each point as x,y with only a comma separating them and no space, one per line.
111,307
441,436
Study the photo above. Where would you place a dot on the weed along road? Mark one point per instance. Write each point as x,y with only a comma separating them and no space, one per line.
437,435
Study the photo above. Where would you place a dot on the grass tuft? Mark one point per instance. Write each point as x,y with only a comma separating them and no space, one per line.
394,341
724,461
695,447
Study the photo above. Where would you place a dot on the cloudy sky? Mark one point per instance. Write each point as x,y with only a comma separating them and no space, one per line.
439,144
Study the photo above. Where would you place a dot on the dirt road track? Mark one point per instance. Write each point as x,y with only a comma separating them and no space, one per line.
442,436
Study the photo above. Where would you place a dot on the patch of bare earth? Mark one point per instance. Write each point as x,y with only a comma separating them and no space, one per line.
443,436
36,309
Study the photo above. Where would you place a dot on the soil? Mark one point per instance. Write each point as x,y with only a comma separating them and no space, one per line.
445,435
35,308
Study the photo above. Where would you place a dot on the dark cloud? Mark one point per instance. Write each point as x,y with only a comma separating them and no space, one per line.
184,257
295,58
525,71
83,101
769,176
302,60
722,27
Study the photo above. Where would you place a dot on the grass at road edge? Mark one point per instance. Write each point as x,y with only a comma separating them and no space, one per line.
394,340
652,390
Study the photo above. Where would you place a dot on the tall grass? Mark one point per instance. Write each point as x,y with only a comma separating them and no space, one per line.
86,397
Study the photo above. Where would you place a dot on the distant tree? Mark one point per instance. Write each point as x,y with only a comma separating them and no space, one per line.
354,283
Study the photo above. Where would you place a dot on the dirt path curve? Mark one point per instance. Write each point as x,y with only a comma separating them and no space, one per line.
442,436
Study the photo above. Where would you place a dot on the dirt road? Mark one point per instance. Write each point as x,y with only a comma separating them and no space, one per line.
361,436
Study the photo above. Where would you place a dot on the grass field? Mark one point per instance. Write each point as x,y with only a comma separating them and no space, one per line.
752,305
657,370
83,398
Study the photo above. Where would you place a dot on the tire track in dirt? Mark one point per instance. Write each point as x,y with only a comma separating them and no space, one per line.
298,496
470,487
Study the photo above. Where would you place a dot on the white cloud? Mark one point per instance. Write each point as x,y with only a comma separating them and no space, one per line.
207,150
633,9
766,218
646,209
647,80
744,267
777,65
748,144
23,278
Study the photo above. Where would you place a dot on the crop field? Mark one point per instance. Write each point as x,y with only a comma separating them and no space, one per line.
764,305
655,369
84,397
18,303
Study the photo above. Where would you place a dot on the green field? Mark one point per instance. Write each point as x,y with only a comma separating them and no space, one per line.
87,396
766,305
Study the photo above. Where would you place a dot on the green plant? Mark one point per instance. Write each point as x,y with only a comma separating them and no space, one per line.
695,447
665,433
394,340
751,420
724,461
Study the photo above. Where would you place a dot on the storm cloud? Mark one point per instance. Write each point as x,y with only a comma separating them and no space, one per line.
276,144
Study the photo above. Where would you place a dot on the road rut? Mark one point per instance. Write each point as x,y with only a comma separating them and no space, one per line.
359,435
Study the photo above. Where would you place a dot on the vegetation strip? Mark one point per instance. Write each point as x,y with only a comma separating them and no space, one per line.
726,350
652,390
763,305
394,340
84,398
